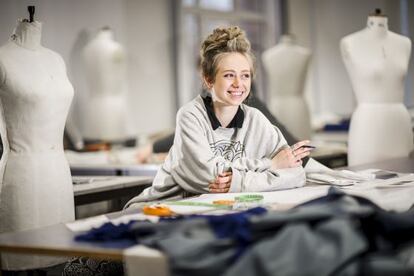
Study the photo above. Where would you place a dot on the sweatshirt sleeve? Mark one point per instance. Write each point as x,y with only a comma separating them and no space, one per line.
249,178
274,141
194,165
269,180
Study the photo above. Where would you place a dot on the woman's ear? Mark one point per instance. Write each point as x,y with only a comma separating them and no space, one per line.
208,84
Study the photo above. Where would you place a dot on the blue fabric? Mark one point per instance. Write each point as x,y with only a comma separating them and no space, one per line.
234,226
343,125
110,235
352,229
226,226
107,231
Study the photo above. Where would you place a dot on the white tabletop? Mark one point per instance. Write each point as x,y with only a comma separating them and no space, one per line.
94,184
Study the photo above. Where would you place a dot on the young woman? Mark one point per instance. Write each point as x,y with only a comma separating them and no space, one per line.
222,145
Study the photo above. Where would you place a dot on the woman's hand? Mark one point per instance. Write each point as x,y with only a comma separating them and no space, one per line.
291,157
221,184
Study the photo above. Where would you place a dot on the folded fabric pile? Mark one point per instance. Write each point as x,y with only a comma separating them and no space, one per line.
337,234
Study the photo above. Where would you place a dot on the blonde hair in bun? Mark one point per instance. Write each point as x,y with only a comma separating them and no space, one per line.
222,41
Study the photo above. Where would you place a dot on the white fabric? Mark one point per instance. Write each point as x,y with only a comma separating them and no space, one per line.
287,65
319,174
394,194
144,261
35,94
107,115
377,62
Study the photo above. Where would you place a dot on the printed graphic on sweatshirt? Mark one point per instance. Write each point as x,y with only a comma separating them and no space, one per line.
230,150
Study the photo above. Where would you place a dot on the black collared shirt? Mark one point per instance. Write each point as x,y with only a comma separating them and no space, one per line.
237,120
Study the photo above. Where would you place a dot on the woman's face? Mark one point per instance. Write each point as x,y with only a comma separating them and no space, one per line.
233,80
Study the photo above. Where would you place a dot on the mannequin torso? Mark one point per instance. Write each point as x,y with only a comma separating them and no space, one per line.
35,96
107,118
377,61
286,65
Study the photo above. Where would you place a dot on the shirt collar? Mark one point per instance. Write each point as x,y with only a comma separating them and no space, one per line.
237,120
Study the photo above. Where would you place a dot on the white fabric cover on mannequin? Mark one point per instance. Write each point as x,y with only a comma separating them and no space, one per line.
286,65
35,94
377,62
107,115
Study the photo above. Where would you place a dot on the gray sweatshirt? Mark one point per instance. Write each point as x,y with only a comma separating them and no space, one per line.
202,150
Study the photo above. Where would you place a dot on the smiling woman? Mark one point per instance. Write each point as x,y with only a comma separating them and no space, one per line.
231,86
217,123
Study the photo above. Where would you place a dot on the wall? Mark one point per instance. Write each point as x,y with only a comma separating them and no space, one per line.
151,71
142,27
320,25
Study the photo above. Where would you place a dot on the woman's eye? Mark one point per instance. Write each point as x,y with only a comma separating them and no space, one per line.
246,76
229,75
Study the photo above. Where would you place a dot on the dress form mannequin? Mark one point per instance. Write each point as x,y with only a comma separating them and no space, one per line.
377,61
107,116
35,96
286,65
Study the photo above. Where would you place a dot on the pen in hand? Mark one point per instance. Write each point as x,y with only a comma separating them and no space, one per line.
307,147
302,151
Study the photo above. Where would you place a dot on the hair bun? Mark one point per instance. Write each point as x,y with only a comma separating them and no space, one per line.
223,40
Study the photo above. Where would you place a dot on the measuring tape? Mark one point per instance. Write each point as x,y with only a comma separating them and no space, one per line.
223,203
249,198
248,201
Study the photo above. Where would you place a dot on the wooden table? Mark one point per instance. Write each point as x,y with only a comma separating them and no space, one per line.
58,240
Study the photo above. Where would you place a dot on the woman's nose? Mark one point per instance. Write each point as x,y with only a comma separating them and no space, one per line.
236,81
